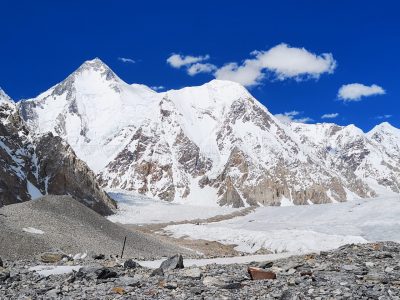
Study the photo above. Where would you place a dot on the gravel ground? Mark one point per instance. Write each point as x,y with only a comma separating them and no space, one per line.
72,228
365,271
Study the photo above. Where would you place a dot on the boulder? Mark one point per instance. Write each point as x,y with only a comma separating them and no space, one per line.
4,274
127,281
157,272
51,258
194,273
260,274
96,272
106,274
172,263
1,263
98,256
131,264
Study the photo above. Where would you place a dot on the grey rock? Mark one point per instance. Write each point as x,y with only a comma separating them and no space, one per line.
232,286
53,293
376,277
106,274
213,281
157,272
171,285
174,262
349,267
127,281
265,264
4,274
194,273
131,264
89,271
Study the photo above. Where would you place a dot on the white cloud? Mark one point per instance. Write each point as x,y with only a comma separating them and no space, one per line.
329,116
177,61
158,88
126,60
292,116
200,68
354,91
248,74
383,117
282,61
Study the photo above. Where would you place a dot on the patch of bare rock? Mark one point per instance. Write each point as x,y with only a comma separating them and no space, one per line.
367,271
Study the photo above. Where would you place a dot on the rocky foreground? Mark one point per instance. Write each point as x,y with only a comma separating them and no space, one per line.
365,271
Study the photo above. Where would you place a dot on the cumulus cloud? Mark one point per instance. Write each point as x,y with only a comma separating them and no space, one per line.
126,60
355,91
281,61
329,116
247,74
177,61
200,68
293,116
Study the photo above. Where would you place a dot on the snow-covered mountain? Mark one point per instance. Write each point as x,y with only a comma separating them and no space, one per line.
372,157
213,143
32,166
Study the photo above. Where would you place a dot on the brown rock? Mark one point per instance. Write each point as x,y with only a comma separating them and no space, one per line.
118,290
260,274
51,257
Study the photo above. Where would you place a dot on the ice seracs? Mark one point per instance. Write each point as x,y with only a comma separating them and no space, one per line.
213,143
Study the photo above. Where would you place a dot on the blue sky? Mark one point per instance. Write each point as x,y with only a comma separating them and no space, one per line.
42,42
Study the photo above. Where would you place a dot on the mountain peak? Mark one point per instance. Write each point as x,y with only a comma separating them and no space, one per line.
94,64
4,97
384,127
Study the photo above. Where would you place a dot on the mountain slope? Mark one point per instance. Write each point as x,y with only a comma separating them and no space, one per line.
214,143
372,157
89,109
34,166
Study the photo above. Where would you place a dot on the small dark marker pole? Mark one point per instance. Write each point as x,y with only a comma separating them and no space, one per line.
123,248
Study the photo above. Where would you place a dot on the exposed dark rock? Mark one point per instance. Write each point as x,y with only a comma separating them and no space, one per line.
106,274
174,262
98,256
131,264
46,164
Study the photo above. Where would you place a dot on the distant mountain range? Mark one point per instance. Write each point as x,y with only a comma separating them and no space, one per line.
209,144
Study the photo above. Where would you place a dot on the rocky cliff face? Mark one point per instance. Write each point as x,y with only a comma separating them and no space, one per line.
213,143
34,166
